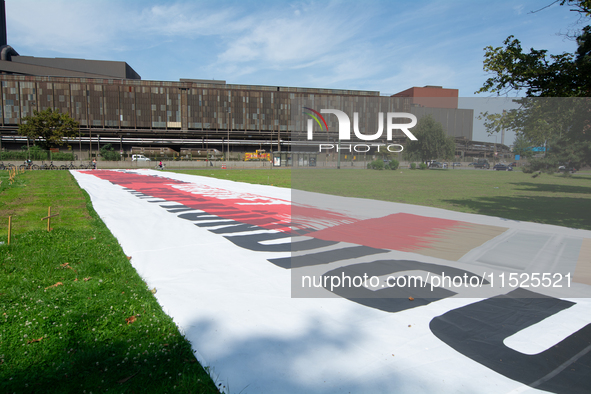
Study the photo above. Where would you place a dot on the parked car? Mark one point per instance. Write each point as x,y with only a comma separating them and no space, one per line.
139,158
502,167
567,168
457,164
484,164
438,164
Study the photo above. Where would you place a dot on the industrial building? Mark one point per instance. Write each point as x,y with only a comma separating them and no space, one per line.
113,105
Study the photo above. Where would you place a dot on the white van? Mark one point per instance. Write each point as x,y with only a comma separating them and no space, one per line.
139,158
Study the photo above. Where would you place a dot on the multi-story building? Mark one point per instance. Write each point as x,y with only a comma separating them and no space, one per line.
113,105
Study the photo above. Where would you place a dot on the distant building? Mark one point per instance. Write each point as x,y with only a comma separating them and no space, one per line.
110,100
431,96
442,105
61,67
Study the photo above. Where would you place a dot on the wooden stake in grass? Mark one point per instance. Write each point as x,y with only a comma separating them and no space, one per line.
9,228
48,217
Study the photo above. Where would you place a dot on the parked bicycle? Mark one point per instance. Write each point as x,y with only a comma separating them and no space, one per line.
8,166
70,167
28,166
49,166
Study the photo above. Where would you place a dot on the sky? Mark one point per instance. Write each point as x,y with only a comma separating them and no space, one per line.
388,46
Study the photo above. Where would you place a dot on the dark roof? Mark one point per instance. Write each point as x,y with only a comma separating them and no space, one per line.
62,67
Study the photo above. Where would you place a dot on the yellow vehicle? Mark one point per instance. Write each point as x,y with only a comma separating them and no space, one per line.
259,155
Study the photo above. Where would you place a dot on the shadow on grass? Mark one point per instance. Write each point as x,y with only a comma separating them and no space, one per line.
552,188
112,365
562,211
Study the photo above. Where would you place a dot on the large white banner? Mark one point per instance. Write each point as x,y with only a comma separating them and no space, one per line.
497,306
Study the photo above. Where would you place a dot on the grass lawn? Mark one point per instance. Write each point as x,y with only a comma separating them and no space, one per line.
75,316
275,176
551,199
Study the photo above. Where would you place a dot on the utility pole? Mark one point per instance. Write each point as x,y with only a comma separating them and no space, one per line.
503,129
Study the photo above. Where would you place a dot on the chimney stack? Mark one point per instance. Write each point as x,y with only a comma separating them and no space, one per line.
3,39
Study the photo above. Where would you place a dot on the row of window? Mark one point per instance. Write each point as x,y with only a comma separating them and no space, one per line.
120,105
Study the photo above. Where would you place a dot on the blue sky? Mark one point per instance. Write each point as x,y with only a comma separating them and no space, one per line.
387,46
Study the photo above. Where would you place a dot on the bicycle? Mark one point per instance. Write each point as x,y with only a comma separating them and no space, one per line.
49,166
8,166
70,167
28,166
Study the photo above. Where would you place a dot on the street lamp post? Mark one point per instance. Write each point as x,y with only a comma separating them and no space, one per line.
495,154
339,153
98,145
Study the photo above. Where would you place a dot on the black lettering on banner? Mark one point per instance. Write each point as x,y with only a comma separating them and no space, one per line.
478,330
253,242
238,228
326,257
395,299
196,216
176,208
212,206
218,223
141,195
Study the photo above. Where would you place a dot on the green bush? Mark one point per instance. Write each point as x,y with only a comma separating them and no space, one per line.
422,166
62,156
377,165
109,154
394,164
547,165
36,154
413,166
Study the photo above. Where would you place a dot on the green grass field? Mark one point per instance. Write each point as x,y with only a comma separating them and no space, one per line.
551,199
75,316
275,176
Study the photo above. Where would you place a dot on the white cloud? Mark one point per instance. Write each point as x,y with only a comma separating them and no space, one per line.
282,37
377,45
104,26
59,26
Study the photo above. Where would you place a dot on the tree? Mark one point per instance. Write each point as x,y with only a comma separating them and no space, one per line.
523,147
49,127
432,142
109,153
562,126
538,73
